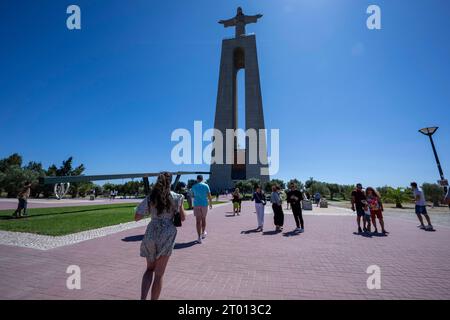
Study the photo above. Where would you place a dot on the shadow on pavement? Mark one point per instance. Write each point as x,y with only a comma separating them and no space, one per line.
229,215
250,231
291,234
133,238
363,234
185,245
379,234
269,233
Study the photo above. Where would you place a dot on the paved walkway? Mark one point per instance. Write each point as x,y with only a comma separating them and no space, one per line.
327,261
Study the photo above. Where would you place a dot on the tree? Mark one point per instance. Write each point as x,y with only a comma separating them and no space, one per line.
131,188
245,186
98,189
397,196
320,187
85,188
346,191
309,182
333,188
13,160
382,191
15,177
433,192
107,187
37,170
254,182
2,178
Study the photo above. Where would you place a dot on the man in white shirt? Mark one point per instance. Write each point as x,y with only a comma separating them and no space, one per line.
421,208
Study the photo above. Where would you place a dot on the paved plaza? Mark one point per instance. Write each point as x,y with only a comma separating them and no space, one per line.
328,261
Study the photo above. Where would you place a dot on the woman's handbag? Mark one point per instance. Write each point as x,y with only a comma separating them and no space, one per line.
177,216
177,219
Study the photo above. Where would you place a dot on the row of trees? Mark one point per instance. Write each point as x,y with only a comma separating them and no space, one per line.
14,175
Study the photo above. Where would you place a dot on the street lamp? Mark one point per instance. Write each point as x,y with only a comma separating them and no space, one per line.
429,132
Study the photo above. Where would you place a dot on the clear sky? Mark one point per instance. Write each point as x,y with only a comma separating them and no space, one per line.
348,101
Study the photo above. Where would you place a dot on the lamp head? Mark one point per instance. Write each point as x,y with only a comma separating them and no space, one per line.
428,131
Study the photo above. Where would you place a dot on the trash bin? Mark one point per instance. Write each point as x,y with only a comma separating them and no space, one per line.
323,203
307,204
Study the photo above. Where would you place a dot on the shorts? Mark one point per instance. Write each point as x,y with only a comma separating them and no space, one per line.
360,212
421,209
236,205
22,204
200,211
376,213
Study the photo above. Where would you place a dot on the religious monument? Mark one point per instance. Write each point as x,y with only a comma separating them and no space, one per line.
239,53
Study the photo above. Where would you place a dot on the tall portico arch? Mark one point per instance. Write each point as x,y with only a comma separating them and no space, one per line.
239,53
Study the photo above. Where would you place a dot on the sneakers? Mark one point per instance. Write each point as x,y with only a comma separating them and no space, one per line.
422,227
429,227
204,235
199,240
359,230
300,230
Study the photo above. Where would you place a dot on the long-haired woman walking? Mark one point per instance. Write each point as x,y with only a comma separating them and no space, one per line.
162,204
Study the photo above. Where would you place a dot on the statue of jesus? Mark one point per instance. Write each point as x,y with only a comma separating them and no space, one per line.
239,21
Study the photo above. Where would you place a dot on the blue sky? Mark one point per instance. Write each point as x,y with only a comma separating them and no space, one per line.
348,101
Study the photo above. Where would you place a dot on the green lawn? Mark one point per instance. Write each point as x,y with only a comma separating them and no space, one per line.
67,220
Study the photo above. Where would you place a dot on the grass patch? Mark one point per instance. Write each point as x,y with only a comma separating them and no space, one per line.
66,220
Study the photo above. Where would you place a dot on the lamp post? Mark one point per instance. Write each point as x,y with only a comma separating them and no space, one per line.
429,132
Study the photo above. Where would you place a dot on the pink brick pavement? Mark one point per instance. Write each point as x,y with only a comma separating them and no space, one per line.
328,261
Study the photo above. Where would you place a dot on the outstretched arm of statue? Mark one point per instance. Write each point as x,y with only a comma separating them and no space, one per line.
252,19
228,23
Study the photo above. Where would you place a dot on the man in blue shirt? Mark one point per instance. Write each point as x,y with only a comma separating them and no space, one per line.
202,197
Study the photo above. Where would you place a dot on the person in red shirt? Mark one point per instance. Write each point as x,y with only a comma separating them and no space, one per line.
376,208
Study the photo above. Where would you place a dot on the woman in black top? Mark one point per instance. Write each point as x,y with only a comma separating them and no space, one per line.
294,197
